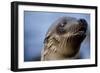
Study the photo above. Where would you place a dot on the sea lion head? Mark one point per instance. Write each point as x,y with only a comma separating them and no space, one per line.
69,27
67,34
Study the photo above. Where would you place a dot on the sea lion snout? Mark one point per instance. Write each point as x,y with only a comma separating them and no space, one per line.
83,24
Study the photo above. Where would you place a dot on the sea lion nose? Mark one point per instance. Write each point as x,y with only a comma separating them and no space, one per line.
83,23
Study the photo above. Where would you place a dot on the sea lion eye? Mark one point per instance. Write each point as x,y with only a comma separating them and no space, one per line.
60,25
60,29
64,22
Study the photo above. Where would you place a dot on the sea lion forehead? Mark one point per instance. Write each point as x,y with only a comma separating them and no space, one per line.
67,20
60,20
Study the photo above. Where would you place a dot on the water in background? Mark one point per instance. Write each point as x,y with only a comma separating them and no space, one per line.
36,25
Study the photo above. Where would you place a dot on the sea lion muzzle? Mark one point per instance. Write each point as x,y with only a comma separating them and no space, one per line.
83,23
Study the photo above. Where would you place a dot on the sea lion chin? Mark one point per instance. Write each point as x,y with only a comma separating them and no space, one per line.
64,38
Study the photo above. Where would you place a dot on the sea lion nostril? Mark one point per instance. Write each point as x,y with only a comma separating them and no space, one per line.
83,23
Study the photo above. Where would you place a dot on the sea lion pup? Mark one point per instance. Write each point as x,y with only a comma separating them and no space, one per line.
64,38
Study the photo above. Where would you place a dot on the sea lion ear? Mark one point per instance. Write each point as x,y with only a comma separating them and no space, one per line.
83,22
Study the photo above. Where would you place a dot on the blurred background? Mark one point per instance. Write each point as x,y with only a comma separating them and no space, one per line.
36,25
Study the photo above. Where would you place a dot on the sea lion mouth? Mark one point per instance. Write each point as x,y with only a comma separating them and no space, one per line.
78,34
82,25
81,28
80,31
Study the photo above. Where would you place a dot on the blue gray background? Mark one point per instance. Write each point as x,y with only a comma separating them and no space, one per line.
36,25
